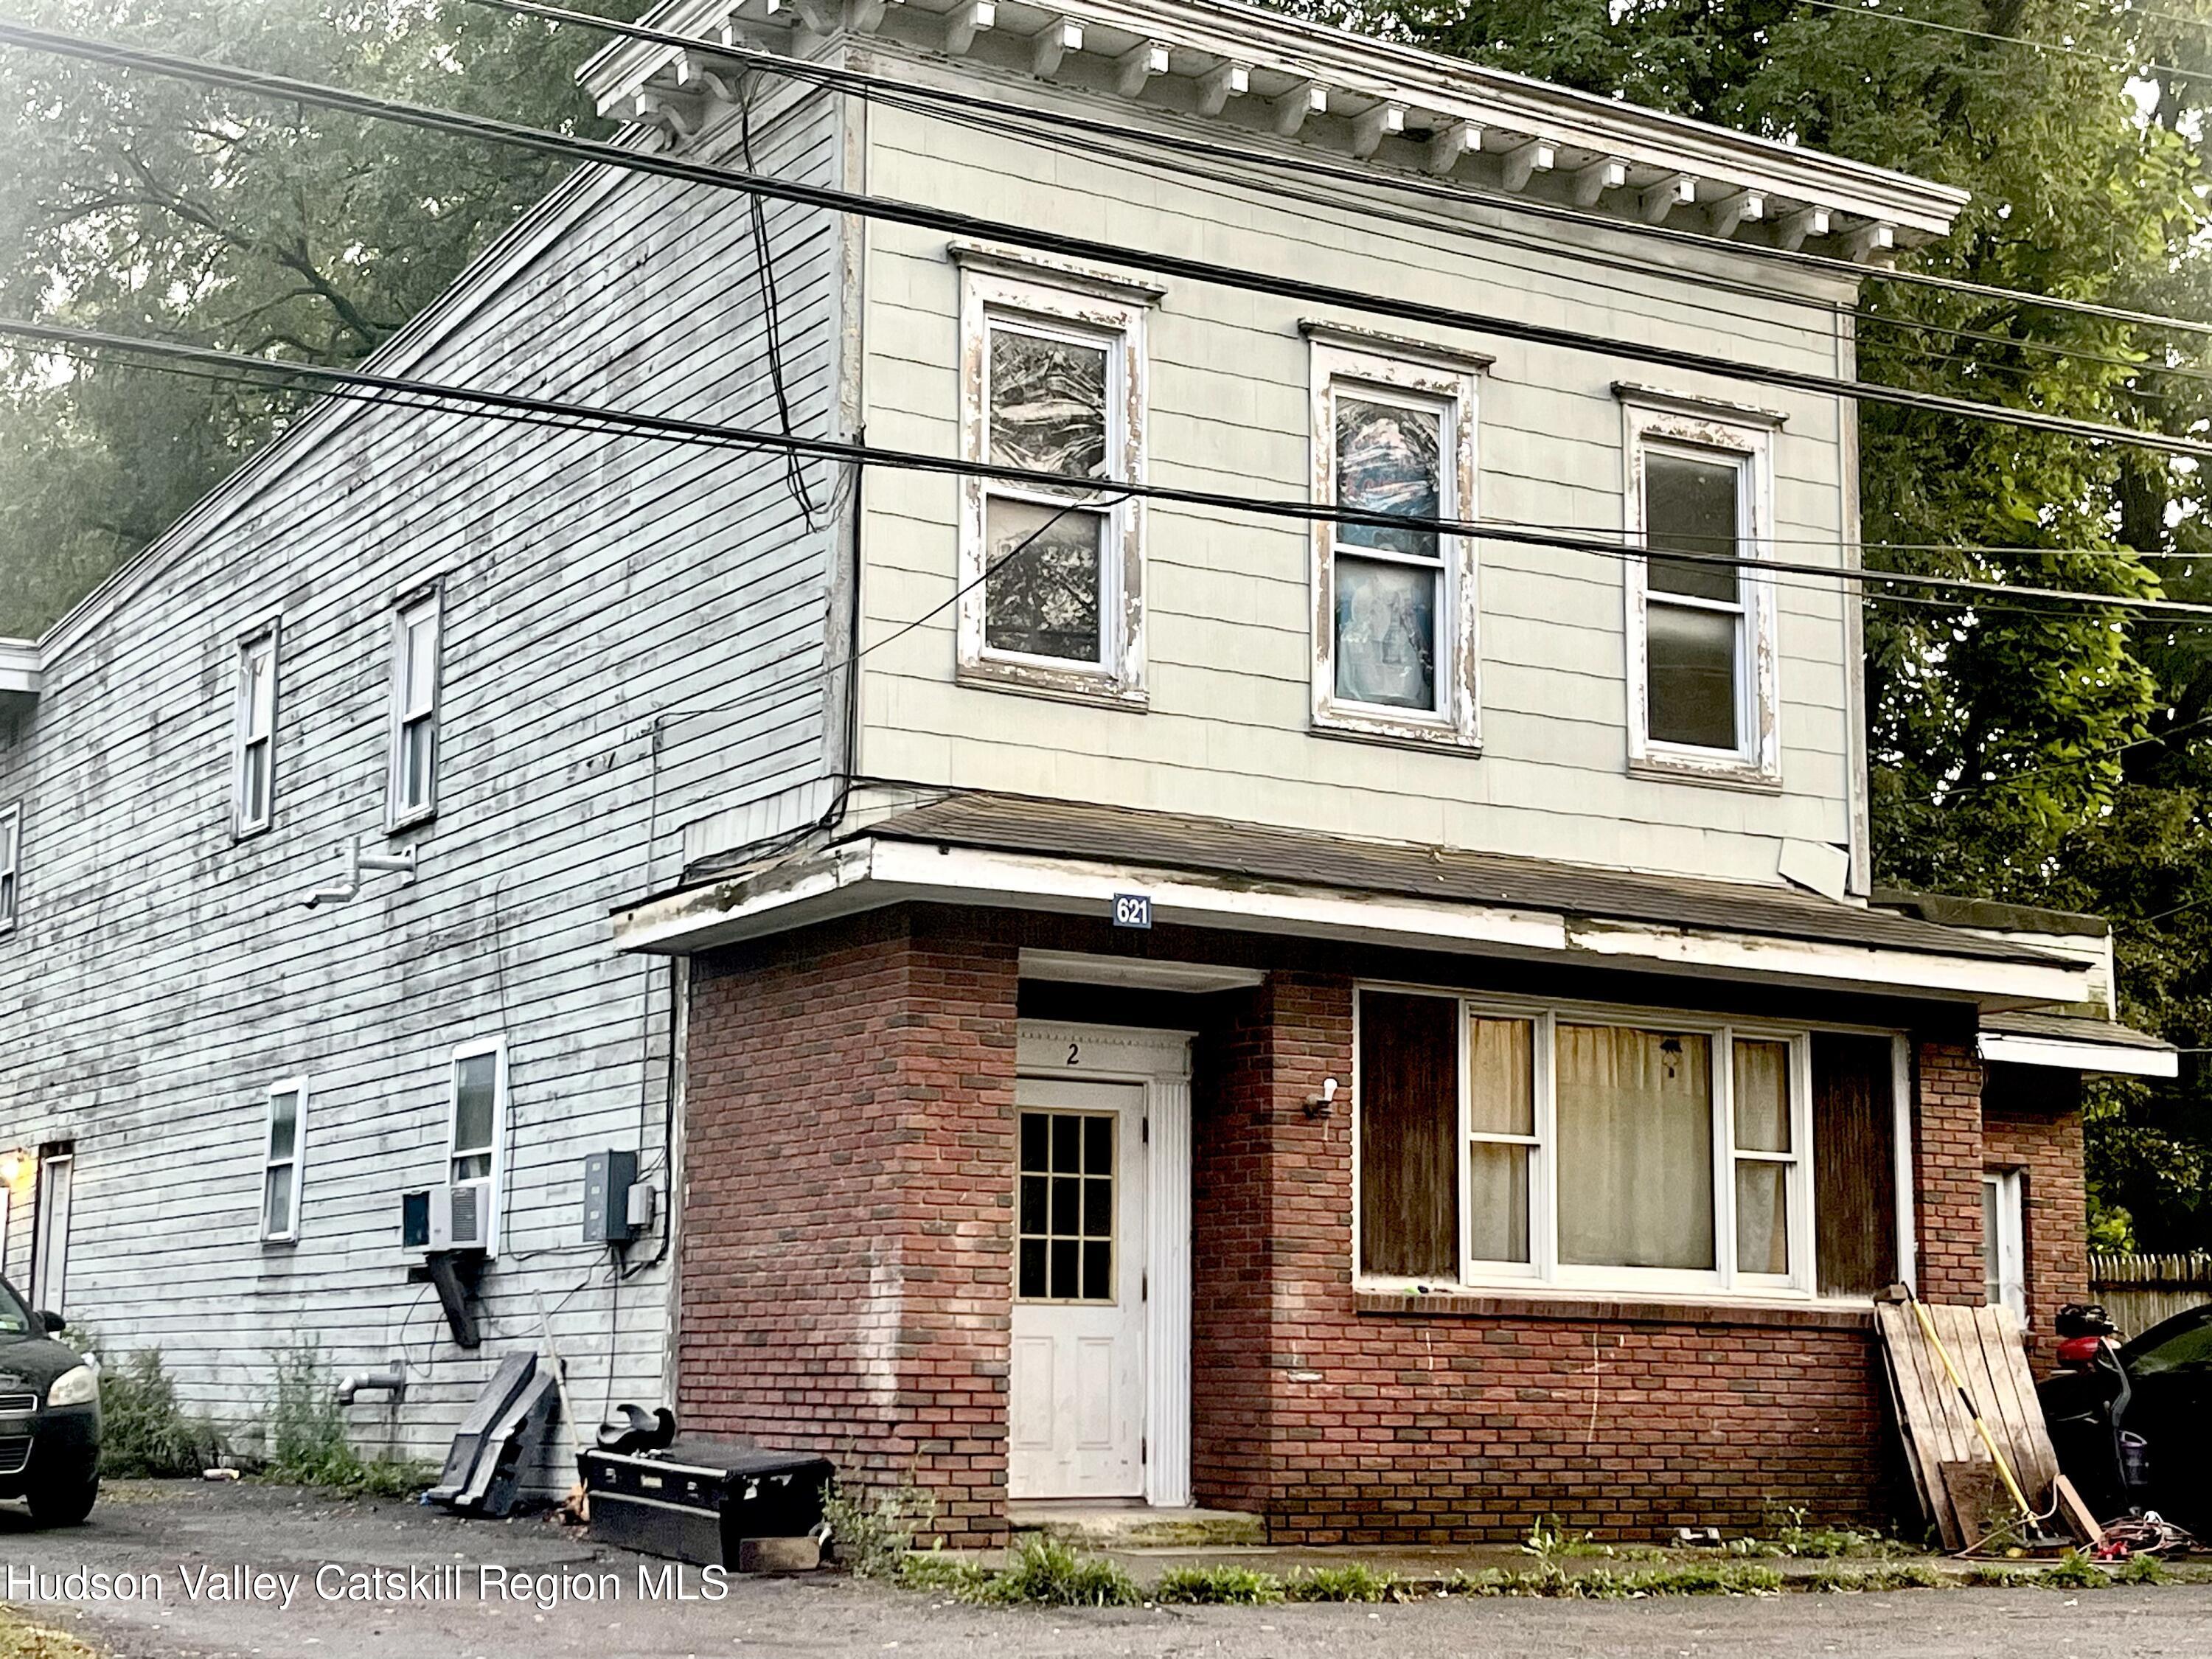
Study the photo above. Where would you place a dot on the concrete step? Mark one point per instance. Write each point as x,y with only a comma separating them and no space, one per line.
1135,1526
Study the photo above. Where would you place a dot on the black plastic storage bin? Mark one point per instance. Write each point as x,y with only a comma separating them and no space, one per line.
692,1500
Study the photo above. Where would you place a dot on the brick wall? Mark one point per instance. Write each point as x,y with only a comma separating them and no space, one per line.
846,1242
1946,1164
2032,1122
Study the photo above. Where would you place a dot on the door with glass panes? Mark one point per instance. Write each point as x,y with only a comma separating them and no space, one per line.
1077,1406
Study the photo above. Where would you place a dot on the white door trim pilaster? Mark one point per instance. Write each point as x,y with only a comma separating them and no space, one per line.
1160,1061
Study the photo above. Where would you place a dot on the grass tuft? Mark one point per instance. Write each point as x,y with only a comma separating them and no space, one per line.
871,1534
1219,1586
308,1443
1353,1581
1046,1572
2142,1570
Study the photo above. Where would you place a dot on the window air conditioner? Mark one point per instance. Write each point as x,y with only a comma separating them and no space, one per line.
460,1217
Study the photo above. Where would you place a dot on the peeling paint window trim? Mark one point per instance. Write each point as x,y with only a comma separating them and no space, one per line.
11,864
293,1165
1453,390
1544,1270
1671,424
415,711
989,298
253,791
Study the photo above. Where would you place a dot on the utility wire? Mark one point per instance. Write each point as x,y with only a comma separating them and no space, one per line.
2110,62
1306,164
715,434
960,225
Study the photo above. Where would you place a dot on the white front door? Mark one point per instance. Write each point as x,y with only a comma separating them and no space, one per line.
1077,1388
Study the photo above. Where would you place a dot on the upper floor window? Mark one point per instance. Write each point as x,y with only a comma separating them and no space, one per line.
284,1158
253,742
11,863
1501,1140
1395,608
1701,692
1052,569
413,794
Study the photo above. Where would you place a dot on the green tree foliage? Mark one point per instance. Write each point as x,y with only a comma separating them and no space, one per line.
2039,753
146,205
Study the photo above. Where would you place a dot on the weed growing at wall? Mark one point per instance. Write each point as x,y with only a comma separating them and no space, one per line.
871,1533
144,1432
306,1436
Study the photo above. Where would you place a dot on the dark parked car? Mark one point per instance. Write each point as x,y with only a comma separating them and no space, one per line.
49,1416
2128,1419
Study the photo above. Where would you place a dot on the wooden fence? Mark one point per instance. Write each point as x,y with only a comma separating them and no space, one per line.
2140,1291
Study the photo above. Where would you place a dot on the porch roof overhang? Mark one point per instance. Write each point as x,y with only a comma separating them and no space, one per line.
1068,859
2077,1042
20,669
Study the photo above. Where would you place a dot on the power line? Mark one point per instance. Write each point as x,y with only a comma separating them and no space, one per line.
678,428
2109,61
961,224
1306,163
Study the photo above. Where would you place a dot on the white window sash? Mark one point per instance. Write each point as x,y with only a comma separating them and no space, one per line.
992,303
1748,447
294,1165
414,719
11,859
2007,1251
1454,717
1544,1268
254,791
494,1184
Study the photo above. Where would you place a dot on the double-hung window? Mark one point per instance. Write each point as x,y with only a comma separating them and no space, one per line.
11,863
413,790
1052,563
254,741
1394,438
1701,628
476,1131
283,1158
1605,1149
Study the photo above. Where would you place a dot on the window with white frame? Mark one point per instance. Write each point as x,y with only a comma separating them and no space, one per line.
283,1160
1702,689
11,863
2004,1255
1503,1142
415,651
1052,566
254,742
1393,437
476,1149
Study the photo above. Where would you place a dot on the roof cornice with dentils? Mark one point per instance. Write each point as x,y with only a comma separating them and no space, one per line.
1267,76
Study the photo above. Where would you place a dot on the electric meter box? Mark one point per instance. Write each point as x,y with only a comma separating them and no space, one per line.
607,1177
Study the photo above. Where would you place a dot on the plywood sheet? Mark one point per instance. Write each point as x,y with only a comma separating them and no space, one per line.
1986,1348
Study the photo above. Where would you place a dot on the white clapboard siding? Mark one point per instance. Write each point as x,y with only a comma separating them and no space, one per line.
596,588
1228,601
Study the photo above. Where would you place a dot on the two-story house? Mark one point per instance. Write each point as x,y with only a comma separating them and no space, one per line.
1125,996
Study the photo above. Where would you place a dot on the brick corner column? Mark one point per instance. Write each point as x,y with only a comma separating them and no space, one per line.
1947,1168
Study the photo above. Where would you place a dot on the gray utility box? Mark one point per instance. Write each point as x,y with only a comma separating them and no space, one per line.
607,1177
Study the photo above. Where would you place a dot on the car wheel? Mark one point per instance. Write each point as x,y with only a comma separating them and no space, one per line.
63,1505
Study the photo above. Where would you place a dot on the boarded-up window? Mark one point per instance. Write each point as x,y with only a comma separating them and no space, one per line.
1409,1135
1854,1165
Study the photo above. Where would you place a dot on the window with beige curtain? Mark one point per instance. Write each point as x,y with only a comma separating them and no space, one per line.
1497,1144
1635,1147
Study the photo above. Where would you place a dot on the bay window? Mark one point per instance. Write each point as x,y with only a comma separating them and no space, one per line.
1601,1148
1701,683
1394,436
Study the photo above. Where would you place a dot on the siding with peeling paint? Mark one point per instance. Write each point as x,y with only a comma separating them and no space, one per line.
164,975
1228,610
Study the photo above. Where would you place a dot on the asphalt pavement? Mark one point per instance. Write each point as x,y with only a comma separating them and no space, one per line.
204,1572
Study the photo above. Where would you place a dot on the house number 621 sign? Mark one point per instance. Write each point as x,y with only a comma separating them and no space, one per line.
1133,909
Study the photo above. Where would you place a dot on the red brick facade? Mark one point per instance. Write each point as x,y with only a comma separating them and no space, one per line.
847,1247
2032,1122
845,1280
